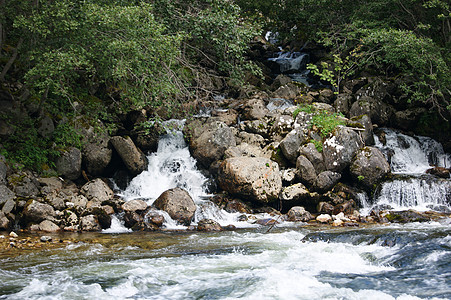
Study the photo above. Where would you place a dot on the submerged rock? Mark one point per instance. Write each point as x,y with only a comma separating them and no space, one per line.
208,225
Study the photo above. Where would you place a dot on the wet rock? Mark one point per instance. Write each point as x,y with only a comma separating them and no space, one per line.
68,164
339,149
299,214
254,177
13,234
178,204
133,220
133,158
208,225
89,223
154,218
291,143
406,216
97,191
209,141
135,205
306,170
326,180
289,91
369,167
280,80
337,223
440,172
267,222
48,226
96,158
36,212
324,218
377,209
346,207
409,118
102,217
236,205
440,208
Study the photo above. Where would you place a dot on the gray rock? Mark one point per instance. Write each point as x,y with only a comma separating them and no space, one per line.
210,140
97,190
306,170
133,158
79,202
5,223
9,206
288,91
250,138
96,158
178,204
291,143
408,119
294,192
254,109
379,112
5,194
50,184
288,175
326,181
56,201
208,225
89,223
45,127
135,205
69,163
48,226
363,122
369,167
314,156
45,238
37,212
281,125
339,149
243,149
299,214
325,208
254,177
343,103
280,80
3,170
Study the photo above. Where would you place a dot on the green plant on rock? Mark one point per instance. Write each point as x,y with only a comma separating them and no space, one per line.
325,122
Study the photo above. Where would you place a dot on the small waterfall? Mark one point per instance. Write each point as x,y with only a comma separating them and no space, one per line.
292,64
173,166
411,187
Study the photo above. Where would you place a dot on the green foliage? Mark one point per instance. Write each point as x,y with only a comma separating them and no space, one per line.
318,145
325,122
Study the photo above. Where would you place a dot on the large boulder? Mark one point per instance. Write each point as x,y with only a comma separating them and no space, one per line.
178,204
36,212
326,181
96,158
314,156
5,194
369,167
379,112
48,226
243,149
210,140
135,205
254,109
255,177
365,127
89,223
97,191
68,164
339,149
133,158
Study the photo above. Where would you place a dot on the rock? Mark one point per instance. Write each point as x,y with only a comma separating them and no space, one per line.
26,186
254,109
97,191
339,149
340,216
306,170
45,238
229,116
103,218
409,118
208,225
326,96
288,176
154,218
236,205
209,141
5,223
79,202
324,218
299,214
437,171
3,170
96,158
243,149
48,226
346,207
178,204
363,122
379,112
250,138
406,216
89,223
133,158
5,195
36,212
289,91
337,223
13,234
326,180
343,103
294,193
377,209
133,220
314,156
254,177
282,124
260,127
267,222
45,127
280,80
440,208
68,164
325,208
291,143
9,206
369,167
135,205
50,184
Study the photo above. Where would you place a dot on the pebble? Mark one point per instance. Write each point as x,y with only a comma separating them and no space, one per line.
13,234
46,238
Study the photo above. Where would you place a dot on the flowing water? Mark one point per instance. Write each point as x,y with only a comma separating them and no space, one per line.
411,261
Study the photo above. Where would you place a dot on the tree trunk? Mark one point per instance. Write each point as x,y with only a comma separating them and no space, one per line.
10,61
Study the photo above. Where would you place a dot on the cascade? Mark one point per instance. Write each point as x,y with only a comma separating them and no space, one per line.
173,166
292,64
410,186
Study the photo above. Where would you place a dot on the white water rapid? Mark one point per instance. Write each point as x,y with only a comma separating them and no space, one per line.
411,187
